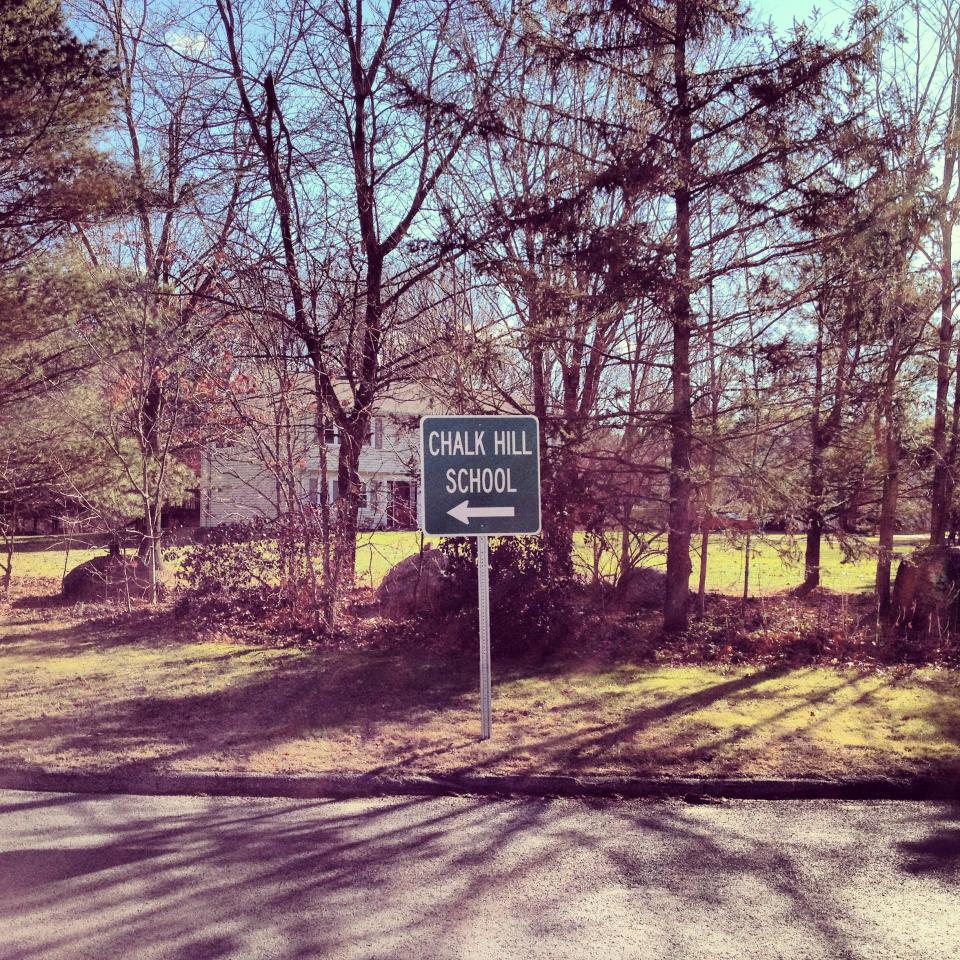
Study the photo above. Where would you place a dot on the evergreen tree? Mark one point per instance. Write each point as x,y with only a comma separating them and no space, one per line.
56,93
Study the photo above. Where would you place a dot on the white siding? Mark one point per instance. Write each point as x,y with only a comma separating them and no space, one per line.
238,486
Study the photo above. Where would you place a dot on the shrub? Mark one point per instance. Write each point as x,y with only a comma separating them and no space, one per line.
232,558
531,610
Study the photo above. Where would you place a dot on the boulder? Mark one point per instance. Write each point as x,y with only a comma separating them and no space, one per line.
109,578
418,584
926,592
643,587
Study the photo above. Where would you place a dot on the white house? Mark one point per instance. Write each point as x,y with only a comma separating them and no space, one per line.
243,479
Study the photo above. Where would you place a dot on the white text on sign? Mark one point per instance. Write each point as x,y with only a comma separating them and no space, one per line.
472,443
480,480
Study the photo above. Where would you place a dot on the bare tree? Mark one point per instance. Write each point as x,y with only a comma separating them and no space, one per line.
382,107
168,251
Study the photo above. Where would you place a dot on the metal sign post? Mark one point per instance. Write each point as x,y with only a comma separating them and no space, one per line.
483,592
481,478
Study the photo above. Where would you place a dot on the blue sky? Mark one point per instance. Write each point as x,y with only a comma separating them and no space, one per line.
784,12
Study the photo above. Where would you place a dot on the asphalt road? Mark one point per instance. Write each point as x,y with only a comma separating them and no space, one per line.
410,878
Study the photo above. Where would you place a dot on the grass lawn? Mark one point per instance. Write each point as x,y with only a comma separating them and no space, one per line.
101,694
776,563
50,563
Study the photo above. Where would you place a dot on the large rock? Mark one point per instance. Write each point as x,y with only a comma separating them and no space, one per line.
418,584
109,578
643,587
926,592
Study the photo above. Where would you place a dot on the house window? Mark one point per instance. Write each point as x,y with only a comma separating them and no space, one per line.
375,433
316,490
374,437
334,486
401,504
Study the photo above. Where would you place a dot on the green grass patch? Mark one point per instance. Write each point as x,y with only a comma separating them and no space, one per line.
98,695
51,563
378,552
776,562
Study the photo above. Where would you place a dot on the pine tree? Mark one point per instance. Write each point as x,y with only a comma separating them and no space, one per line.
56,93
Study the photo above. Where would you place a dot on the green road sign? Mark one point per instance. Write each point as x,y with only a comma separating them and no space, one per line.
481,475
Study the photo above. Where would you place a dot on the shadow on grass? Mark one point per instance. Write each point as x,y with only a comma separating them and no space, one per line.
588,745
361,698
106,629
296,696
41,601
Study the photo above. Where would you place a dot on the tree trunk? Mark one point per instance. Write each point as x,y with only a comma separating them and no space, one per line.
8,545
677,594
558,522
706,501
352,436
953,448
942,488
625,552
746,568
702,583
328,599
889,494
149,553
888,515
815,482
677,598
811,559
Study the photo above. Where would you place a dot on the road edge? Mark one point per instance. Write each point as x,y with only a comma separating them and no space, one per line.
141,782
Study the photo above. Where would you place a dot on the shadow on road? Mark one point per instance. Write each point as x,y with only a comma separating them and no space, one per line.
31,869
938,850
207,879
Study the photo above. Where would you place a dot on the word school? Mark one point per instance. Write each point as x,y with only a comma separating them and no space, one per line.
472,443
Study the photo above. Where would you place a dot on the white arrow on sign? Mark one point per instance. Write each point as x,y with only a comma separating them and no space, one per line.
464,512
